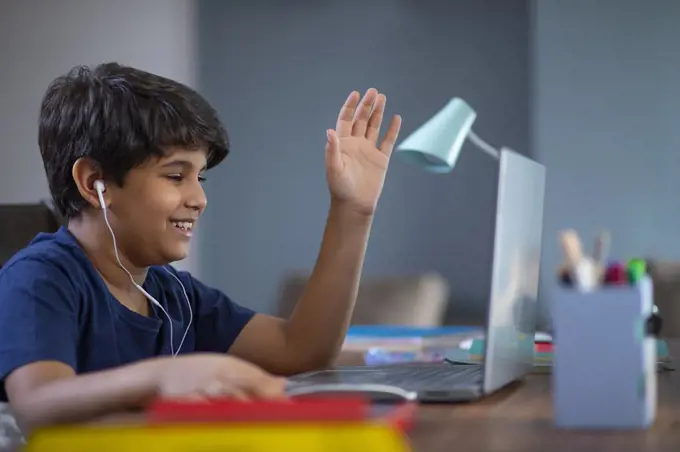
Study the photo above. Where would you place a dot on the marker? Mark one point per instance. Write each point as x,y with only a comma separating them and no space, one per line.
637,268
586,275
616,274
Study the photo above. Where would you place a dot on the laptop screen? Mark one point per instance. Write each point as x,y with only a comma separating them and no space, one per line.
512,312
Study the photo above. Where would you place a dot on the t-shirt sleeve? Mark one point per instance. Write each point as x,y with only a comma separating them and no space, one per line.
38,316
217,318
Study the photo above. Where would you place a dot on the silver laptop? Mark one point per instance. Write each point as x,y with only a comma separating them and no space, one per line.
511,321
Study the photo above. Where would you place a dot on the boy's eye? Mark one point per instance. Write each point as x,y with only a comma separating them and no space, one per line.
180,178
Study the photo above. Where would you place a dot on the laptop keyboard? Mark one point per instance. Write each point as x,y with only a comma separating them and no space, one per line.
416,377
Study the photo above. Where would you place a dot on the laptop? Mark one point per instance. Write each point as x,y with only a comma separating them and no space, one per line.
511,314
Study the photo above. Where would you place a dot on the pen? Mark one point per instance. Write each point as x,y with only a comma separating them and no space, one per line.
601,252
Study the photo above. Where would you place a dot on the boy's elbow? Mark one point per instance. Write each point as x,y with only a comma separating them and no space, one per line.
36,410
30,417
33,397
324,361
304,362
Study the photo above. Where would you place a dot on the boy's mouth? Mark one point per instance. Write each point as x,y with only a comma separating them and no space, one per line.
185,226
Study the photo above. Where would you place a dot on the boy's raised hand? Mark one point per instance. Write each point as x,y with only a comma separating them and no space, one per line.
207,375
356,164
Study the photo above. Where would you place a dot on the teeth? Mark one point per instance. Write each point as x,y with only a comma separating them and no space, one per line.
184,225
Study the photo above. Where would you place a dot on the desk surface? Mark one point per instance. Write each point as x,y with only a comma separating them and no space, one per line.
520,419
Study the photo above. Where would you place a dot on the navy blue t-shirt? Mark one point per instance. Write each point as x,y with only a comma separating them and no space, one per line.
55,306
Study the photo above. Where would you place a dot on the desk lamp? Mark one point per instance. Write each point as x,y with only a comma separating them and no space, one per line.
435,145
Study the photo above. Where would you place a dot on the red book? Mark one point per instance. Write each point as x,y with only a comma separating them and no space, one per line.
340,409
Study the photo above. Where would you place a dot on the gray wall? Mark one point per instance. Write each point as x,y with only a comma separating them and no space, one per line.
40,40
606,117
595,83
278,74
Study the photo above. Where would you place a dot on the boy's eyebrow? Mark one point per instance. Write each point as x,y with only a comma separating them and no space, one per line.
181,162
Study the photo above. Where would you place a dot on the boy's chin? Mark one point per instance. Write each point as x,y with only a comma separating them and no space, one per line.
177,253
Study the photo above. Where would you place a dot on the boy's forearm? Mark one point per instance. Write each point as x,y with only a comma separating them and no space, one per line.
319,323
85,397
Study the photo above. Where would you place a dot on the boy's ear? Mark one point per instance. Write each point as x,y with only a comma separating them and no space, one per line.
85,172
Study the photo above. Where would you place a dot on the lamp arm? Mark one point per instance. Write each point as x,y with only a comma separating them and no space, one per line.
483,145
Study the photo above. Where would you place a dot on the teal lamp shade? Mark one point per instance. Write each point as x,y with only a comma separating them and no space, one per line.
435,145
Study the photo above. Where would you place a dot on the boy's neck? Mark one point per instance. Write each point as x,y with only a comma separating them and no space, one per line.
95,239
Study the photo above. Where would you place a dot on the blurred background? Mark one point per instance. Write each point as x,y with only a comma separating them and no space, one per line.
587,88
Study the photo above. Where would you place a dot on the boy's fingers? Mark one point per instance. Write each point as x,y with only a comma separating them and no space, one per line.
197,396
270,387
240,395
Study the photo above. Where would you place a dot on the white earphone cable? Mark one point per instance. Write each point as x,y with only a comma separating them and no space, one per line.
140,288
191,312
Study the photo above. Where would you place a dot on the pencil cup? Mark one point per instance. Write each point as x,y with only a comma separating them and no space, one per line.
604,360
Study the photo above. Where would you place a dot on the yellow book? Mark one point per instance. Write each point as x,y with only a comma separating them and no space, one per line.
301,437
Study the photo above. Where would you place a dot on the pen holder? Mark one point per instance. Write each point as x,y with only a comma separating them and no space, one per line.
604,357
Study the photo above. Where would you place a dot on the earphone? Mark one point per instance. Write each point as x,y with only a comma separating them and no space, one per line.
100,187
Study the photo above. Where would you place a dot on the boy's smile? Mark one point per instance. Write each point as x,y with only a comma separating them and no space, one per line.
185,227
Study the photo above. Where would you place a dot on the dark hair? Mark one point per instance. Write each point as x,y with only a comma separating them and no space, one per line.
119,117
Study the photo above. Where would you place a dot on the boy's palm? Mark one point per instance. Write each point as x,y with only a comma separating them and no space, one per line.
355,165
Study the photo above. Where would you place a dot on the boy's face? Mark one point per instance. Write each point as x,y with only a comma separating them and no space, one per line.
156,209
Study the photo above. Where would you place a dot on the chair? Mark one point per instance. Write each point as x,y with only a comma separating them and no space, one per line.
419,300
20,223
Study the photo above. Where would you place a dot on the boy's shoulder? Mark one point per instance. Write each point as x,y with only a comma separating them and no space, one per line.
58,255
50,253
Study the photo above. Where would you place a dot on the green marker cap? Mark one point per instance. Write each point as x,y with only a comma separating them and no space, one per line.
636,269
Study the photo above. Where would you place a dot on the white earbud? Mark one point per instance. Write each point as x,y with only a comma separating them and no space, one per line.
101,188
99,185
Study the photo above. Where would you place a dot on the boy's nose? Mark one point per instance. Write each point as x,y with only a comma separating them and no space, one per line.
196,199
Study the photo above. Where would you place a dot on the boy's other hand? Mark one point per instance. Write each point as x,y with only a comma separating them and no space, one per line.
205,376
355,164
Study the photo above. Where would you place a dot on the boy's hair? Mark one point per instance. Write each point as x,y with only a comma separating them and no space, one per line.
119,117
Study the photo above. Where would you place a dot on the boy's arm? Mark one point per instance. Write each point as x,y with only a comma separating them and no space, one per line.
314,334
39,308
355,170
49,392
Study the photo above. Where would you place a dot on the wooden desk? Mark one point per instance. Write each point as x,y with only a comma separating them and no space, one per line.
520,419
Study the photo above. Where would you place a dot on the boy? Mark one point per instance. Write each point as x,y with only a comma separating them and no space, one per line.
91,316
